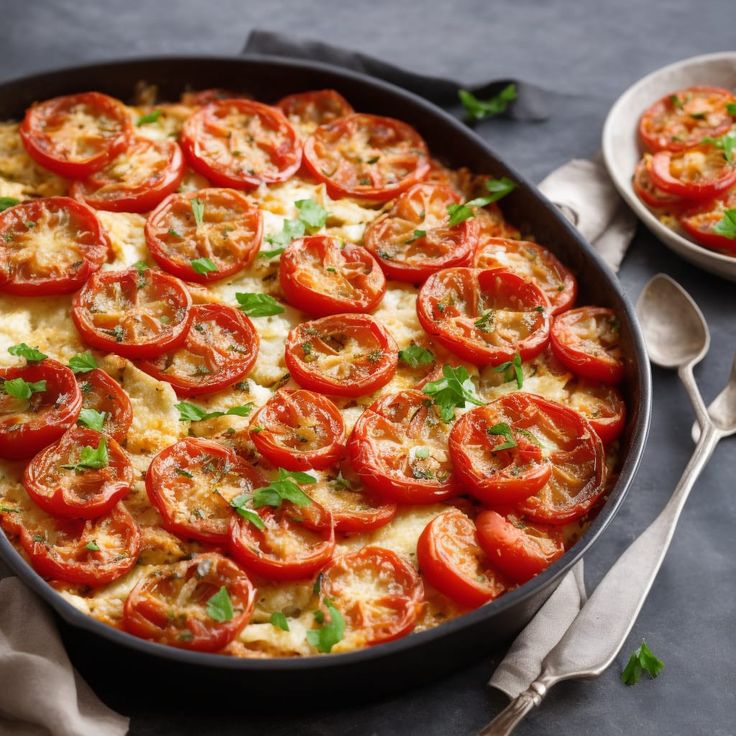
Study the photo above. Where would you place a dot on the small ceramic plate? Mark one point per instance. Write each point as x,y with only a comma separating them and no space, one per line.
622,150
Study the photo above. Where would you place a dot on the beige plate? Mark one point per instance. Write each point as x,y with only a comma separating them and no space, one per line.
621,149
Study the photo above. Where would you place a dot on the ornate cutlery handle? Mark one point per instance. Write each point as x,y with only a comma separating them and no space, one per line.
505,722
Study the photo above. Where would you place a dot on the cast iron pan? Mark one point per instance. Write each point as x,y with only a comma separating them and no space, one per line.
103,652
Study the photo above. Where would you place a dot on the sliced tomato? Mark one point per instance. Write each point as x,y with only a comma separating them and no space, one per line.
220,348
701,224
520,550
132,313
451,559
649,193
81,493
49,246
414,238
344,355
399,449
241,143
295,542
136,180
227,231
532,262
306,111
587,341
298,430
601,404
170,604
104,394
28,425
201,97
93,552
494,452
378,593
485,316
75,135
697,173
682,119
492,224
322,276
192,483
366,156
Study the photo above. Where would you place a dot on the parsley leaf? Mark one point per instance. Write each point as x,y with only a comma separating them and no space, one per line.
479,109
497,188
192,413
93,458
726,143
284,488
504,430
290,230
676,102
271,253
279,621
258,305
313,215
6,202
642,660
92,419
92,546
82,362
486,322
203,265
20,389
238,503
453,390
512,369
151,117
330,633
197,206
140,266
32,355
726,226
220,607
731,109
415,355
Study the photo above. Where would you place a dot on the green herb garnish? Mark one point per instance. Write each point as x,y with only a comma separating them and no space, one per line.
504,430
330,632
497,189
415,355
21,389
203,265
479,109
150,117
32,355
453,390
92,458
258,305
642,660
92,419
512,369
189,412
220,607
83,362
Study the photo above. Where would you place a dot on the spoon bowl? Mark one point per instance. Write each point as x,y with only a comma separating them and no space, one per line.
722,409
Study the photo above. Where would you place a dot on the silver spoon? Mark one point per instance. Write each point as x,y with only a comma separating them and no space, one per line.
676,337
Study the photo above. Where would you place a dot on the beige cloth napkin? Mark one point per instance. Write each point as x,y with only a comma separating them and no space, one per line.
40,693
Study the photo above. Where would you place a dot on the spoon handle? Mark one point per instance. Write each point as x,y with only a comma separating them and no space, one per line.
685,372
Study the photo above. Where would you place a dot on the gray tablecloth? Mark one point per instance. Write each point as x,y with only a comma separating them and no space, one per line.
589,51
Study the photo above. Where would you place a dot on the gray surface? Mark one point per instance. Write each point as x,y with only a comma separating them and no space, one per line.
591,51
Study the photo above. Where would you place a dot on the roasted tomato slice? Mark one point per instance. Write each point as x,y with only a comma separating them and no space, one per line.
76,135
586,340
220,349
174,604
366,156
294,543
576,455
702,224
344,355
242,144
92,552
220,225
683,118
485,317
519,549
495,453
78,492
451,559
649,193
320,276
306,111
532,262
201,97
49,246
378,593
192,483
398,447
104,394
601,404
298,430
38,403
136,314
492,224
136,180
414,239
698,173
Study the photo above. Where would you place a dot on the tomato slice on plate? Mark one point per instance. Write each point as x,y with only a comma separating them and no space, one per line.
649,193
701,224
220,348
295,542
308,110
51,406
414,239
484,316
298,430
587,341
532,262
90,552
701,172
366,156
78,492
49,246
321,276
241,143
76,135
136,314
601,404
136,180
399,449
682,119
192,483
172,605
344,355
104,394
221,225
452,561
494,452
378,593
519,549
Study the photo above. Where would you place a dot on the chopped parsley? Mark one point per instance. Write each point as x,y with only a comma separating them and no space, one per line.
83,362
32,355
92,458
18,388
284,488
676,102
313,215
92,546
453,390
486,322
504,431
6,202
330,632
203,265
726,143
642,660
220,607
512,369
415,355
185,473
290,230
197,206
189,412
279,621
726,226
497,189
271,253
258,305
479,109
92,419
731,109
150,117
174,233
